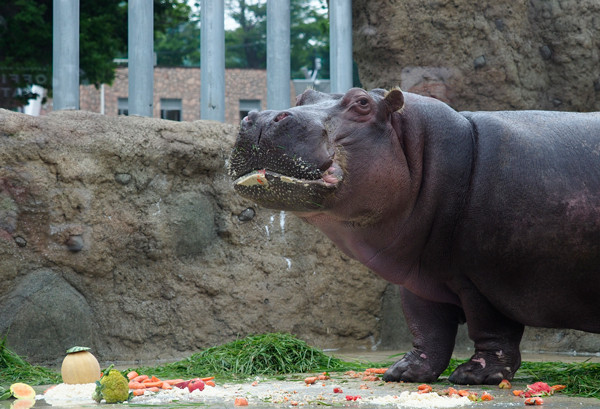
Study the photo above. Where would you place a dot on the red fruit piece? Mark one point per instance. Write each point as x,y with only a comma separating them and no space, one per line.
196,384
182,385
337,390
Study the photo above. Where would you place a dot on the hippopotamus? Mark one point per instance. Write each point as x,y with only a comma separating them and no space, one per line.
486,218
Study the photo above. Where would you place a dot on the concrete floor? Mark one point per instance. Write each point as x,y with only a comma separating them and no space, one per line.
280,393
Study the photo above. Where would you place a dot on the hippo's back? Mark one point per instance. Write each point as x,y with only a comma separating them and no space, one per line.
532,222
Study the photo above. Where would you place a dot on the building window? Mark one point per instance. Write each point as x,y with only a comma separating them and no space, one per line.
170,108
247,105
123,107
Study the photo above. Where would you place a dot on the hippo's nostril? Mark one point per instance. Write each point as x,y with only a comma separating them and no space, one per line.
281,116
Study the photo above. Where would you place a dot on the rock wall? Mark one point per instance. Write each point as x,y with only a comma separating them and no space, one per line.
483,55
124,234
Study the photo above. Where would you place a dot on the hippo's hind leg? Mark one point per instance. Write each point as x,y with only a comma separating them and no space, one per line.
496,337
433,326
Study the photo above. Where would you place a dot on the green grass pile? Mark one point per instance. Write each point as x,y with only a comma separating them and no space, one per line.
14,368
582,379
266,354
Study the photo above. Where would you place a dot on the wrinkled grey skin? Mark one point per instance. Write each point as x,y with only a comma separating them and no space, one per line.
488,218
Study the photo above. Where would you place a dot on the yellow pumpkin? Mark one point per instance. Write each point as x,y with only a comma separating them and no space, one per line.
80,366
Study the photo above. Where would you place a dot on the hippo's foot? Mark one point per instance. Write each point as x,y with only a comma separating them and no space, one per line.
413,367
487,368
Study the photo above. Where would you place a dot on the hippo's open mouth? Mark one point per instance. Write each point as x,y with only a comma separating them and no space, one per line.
275,190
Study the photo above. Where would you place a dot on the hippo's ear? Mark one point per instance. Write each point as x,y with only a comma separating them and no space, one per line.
394,100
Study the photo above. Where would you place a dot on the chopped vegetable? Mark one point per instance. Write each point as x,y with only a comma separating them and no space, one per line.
424,388
534,401
310,380
241,402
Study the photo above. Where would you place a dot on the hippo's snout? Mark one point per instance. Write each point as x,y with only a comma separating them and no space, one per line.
283,160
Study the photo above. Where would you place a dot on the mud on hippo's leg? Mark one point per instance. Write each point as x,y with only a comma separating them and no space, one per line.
433,326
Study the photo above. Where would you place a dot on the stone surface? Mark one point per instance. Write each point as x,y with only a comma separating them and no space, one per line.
483,55
124,234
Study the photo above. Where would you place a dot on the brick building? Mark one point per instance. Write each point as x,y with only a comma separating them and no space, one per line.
177,93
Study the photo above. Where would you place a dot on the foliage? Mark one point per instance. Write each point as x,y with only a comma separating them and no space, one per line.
267,354
26,36
309,35
581,379
14,368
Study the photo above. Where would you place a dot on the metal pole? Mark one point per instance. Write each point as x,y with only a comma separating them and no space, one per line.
65,54
212,60
140,46
340,51
278,54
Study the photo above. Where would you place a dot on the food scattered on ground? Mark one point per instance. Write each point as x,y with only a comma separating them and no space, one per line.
80,366
294,391
265,354
21,390
310,380
422,400
112,388
69,395
534,401
505,384
539,389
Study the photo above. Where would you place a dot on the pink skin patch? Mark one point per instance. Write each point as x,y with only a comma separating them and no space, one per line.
333,175
481,361
423,356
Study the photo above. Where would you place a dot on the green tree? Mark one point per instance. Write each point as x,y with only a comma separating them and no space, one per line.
246,45
26,40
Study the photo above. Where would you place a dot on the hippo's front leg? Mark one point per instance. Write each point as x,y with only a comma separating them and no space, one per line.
433,326
496,337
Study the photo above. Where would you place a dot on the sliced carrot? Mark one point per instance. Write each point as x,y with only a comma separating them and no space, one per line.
154,379
152,384
165,385
310,380
173,381
153,389
424,388
140,378
139,392
556,388
463,392
378,371
132,375
136,385
241,402
208,378
210,383
486,397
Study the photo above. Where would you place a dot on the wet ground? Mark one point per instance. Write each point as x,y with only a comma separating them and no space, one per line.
293,392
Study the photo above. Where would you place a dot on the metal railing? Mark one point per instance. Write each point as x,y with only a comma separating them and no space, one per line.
65,54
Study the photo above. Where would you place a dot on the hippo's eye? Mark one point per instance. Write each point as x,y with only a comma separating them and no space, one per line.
363,101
